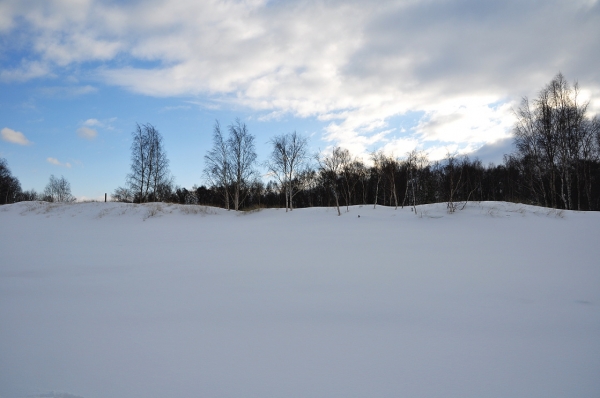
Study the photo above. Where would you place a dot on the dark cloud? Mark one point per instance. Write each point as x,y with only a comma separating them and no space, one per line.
470,45
494,152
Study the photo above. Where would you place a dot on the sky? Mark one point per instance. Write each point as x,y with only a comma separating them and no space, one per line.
433,75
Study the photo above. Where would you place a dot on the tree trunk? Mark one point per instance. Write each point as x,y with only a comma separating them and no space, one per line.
376,192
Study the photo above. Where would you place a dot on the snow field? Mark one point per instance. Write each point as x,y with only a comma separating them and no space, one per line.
115,300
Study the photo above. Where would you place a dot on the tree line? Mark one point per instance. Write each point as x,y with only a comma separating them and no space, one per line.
556,163
57,189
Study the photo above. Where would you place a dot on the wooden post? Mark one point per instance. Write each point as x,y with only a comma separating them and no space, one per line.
105,197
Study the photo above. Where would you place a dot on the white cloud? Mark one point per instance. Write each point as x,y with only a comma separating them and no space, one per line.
67,91
92,122
87,133
470,121
401,146
26,71
6,12
352,63
56,162
15,137
440,152
176,108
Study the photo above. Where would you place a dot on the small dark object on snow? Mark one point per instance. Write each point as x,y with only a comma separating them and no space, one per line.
359,216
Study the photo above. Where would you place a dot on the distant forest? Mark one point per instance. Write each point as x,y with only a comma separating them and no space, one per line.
556,164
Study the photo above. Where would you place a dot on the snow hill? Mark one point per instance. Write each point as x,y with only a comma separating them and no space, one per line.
118,300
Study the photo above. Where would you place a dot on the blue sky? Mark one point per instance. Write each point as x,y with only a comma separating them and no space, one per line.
441,75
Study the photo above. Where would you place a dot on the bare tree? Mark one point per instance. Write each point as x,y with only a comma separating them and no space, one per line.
362,174
527,139
160,179
242,155
571,129
149,165
138,178
390,168
415,162
553,143
58,190
347,171
378,159
217,168
453,171
123,194
331,166
286,163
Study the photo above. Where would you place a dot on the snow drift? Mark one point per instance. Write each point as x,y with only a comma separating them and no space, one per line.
118,300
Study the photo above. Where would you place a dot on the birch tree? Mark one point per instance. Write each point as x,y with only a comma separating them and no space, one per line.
288,158
149,164
159,174
217,168
242,155
347,169
553,142
378,159
140,159
330,166
415,161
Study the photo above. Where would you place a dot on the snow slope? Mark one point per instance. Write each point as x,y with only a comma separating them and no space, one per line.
116,300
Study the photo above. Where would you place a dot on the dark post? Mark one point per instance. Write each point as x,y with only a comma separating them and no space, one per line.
105,197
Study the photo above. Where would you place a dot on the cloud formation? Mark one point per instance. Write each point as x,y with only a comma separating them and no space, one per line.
14,137
87,133
461,63
56,162
27,70
92,122
67,91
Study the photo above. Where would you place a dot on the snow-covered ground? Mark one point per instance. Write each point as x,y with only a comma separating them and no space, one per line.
101,300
